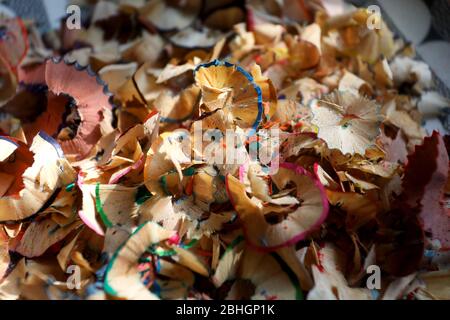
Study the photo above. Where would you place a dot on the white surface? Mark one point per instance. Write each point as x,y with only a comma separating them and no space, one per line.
437,54
6,11
335,7
434,125
412,17
56,9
